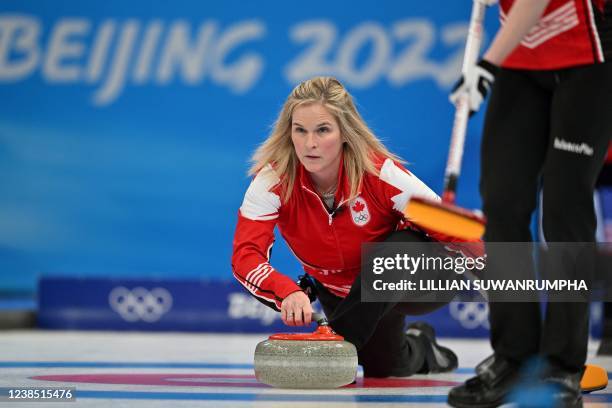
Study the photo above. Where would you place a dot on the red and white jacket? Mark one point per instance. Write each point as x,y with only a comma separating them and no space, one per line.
569,33
327,245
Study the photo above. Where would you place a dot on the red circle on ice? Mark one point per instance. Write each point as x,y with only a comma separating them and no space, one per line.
225,380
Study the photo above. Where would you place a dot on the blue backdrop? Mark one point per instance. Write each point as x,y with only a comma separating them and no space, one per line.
126,127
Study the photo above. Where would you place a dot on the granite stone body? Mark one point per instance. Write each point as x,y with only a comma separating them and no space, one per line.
305,363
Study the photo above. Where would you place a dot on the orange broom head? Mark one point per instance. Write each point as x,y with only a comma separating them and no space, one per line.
445,218
594,378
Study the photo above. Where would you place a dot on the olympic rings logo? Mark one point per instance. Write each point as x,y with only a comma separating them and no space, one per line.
361,218
140,303
470,315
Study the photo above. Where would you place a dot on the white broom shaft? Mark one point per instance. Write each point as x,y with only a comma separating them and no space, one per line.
470,56
474,38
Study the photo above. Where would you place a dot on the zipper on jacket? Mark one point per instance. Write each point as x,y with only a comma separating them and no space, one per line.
340,204
338,246
329,215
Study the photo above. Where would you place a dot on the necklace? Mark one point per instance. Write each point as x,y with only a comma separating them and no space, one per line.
329,197
329,193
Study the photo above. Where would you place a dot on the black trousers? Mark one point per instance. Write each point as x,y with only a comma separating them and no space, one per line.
544,130
377,329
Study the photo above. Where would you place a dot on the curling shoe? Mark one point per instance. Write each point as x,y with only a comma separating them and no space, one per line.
438,359
567,392
495,377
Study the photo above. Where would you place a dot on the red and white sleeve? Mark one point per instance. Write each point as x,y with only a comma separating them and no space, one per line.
401,187
253,240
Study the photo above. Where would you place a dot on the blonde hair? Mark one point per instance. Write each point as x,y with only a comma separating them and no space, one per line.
360,145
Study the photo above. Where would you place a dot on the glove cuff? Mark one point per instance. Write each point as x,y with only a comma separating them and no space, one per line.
489,67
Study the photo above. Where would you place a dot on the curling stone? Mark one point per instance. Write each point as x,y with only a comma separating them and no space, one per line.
321,359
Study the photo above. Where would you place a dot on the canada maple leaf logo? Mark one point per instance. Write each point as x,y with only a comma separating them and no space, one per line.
358,207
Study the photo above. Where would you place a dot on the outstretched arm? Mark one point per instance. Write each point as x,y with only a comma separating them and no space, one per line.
253,241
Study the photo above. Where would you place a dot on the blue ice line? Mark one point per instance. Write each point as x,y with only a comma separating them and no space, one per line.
258,397
598,398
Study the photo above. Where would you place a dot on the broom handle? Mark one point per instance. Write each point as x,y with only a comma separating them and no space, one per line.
470,56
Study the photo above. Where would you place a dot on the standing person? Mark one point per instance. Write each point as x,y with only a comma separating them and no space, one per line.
548,124
329,185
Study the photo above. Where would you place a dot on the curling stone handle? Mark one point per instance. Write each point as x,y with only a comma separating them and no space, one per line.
320,319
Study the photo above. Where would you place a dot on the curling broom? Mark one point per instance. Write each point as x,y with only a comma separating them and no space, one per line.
445,217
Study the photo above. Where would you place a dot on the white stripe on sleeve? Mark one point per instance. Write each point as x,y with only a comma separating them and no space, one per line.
260,204
409,185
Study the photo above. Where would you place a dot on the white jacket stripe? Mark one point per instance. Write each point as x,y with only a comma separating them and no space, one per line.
252,275
253,291
409,185
260,204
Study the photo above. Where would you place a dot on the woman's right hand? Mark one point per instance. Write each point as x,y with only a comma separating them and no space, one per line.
296,309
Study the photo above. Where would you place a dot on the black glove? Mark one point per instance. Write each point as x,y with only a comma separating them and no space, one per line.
477,84
306,282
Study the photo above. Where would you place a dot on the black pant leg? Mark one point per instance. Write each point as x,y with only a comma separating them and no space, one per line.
357,321
514,144
607,321
513,149
376,328
386,352
581,127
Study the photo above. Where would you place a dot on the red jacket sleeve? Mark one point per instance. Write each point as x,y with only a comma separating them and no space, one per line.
253,240
400,186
